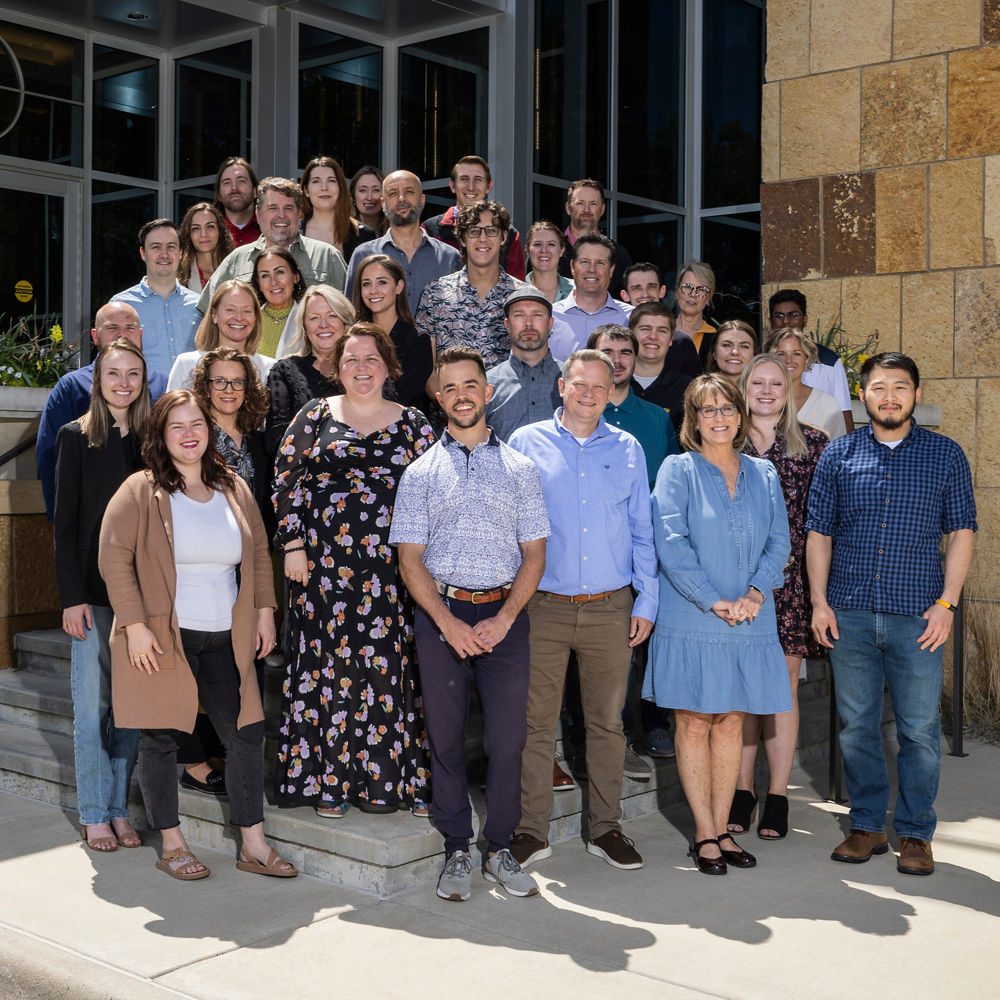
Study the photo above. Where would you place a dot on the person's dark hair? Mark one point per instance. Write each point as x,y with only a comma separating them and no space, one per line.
96,422
890,359
232,161
383,344
452,355
397,273
590,239
643,265
343,226
189,256
255,400
298,289
468,216
369,168
585,182
283,186
613,331
694,396
652,309
148,227
787,295
478,161
215,474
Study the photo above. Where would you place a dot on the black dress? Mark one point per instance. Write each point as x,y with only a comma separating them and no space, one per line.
291,383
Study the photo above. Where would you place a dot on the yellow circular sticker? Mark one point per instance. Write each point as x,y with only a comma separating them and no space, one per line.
23,291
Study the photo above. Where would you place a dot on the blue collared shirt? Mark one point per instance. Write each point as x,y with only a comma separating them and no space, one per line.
649,425
168,324
433,259
573,324
886,510
522,393
598,500
472,511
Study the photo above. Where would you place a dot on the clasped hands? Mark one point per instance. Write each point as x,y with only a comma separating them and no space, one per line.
743,609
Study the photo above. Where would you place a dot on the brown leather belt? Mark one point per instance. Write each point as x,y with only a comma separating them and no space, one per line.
473,596
582,598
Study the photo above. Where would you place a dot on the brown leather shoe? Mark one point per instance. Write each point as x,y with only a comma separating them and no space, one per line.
915,857
860,846
561,781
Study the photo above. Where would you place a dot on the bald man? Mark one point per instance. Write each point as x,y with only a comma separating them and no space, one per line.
422,257
70,399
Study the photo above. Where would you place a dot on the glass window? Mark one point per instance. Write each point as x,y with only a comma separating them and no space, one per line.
184,199
572,58
443,92
653,236
549,203
126,102
731,244
651,101
731,105
48,123
32,264
340,99
213,109
117,214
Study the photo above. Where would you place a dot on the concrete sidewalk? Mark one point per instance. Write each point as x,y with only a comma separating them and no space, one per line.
75,923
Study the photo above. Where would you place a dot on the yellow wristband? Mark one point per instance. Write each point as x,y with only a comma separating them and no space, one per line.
945,604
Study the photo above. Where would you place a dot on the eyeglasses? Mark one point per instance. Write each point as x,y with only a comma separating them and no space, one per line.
793,315
239,384
476,231
698,291
726,410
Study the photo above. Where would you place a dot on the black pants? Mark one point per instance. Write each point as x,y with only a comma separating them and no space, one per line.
210,656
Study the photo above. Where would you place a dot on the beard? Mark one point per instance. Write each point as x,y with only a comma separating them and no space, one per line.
890,422
405,218
466,420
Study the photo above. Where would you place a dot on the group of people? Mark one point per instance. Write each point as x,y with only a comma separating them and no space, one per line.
466,476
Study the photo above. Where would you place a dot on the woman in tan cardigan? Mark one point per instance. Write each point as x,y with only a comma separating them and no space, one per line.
184,556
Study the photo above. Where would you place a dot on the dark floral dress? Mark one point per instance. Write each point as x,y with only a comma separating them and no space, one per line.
352,726
791,603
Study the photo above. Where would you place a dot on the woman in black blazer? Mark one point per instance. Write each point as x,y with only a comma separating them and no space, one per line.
94,456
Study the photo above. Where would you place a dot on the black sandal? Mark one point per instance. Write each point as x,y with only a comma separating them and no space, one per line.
774,816
707,866
742,811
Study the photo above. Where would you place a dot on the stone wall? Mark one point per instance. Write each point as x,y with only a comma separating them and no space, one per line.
881,198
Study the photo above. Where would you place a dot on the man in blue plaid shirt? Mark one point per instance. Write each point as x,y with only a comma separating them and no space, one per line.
881,499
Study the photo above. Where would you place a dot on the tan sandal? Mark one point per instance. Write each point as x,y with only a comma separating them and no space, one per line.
102,845
181,858
271,867
128,838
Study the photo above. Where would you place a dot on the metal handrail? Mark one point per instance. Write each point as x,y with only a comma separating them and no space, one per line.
18,449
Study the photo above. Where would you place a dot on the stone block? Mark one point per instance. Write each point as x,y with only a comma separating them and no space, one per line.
991,210
870,305
901,219
974,102
977,322
957,399
991,21
956,213
849,224
923,26
929,322
34,560
987,467
821,125
787,39
823,302
790,237
903,112
842,35
770,133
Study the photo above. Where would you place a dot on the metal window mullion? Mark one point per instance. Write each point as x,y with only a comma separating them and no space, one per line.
613,91
166,126
389,126
84,272
693,181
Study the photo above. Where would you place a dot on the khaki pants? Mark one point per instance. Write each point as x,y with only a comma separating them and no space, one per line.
598,632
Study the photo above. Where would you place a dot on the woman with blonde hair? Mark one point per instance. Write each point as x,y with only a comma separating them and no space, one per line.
321,319
94,456
233,319
205,243
776,435
693,293
812,405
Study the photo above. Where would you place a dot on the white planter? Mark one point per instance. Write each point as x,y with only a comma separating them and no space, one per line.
20,411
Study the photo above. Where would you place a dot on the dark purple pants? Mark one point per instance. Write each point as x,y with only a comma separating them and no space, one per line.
502,679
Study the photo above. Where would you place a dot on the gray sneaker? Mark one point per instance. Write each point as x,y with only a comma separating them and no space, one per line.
635,767
508,874
455,882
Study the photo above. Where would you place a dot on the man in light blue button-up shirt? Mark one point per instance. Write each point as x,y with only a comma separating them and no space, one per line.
598,598
167,310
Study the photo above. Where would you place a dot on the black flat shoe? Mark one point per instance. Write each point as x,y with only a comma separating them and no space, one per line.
774,816
738,858
707,866
741,812
214,783
375,807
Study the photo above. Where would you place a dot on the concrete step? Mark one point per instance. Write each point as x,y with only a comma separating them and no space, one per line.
45,651
36,700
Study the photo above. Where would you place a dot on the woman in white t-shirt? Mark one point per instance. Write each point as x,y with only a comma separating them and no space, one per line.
184,556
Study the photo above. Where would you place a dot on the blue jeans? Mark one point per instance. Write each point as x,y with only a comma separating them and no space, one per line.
876,648
104,754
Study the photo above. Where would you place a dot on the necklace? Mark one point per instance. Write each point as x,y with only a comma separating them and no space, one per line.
276,314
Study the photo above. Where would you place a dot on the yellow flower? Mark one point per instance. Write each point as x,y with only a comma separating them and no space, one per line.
57,334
